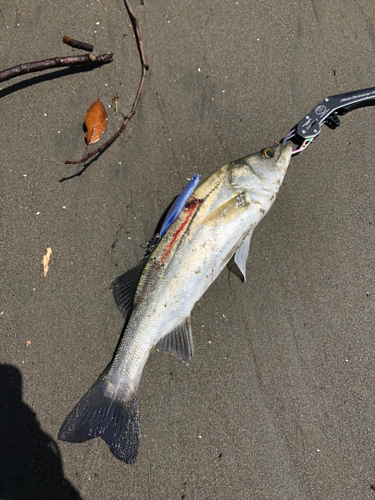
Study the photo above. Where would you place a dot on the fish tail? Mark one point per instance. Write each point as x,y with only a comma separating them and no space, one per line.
113,419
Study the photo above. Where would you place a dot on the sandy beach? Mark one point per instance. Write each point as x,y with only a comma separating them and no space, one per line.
278,401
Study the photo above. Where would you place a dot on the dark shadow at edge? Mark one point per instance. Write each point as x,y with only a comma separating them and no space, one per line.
30,460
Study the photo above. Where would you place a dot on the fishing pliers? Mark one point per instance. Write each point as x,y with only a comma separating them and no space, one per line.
328,112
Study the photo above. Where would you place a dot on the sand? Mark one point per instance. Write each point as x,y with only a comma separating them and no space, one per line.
278,401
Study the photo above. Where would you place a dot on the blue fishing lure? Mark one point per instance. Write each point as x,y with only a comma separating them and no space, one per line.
178,205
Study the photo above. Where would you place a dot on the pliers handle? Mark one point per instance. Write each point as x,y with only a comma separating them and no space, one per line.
327,112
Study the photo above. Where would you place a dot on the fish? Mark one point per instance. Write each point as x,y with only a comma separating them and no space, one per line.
211,230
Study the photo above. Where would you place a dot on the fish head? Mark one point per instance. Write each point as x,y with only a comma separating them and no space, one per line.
264,169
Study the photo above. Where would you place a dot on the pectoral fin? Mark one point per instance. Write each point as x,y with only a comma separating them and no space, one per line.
179,342
124,287
237,264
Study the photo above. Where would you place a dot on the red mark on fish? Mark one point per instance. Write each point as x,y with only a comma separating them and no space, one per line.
190,208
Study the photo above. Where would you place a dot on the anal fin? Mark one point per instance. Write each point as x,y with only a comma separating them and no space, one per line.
179,341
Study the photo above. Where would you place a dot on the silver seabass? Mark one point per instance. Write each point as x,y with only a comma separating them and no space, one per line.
157,296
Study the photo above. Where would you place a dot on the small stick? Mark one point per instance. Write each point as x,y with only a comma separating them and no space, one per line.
57,62
78,45
137,33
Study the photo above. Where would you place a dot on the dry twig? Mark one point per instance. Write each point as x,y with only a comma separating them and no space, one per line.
78,45
57,62
137,33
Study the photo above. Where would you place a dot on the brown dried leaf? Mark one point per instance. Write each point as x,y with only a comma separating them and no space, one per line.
45,261
96,122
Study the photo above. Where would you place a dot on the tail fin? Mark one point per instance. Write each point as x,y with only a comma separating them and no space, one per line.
114,420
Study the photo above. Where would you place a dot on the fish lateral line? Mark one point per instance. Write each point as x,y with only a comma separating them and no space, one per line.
192,205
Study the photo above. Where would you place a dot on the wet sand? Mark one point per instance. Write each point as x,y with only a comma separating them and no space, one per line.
278,401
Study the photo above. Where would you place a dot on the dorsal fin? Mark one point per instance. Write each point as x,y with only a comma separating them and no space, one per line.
179,341
124,287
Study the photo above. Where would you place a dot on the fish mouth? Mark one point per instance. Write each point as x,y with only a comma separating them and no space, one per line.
285,153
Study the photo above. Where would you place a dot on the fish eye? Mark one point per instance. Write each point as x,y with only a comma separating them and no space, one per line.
267,153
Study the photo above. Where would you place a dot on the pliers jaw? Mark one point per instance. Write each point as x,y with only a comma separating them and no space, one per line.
327,112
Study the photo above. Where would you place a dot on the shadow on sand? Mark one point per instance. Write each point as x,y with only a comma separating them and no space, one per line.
30,461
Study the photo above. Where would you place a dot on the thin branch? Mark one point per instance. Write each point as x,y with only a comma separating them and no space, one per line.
78,45
57,62
137,33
